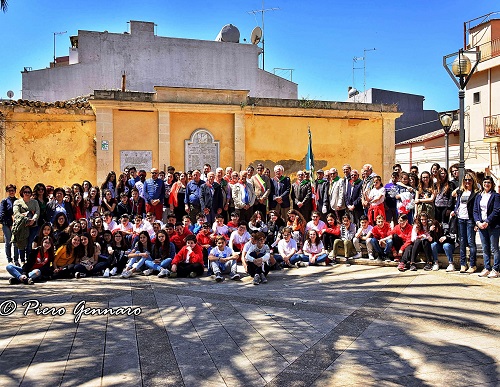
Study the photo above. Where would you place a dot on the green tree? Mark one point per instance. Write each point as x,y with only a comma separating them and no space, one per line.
3,5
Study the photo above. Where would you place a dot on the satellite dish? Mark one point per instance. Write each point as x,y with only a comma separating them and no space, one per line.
10,94
256,35
229,33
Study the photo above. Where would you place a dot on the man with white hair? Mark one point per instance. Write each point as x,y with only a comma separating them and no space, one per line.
335,201
367,175
280,192
243,197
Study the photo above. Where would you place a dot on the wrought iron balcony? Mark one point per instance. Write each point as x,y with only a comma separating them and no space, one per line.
491,126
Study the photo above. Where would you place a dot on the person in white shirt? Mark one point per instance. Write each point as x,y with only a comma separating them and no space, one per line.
223,260
316,223
287,249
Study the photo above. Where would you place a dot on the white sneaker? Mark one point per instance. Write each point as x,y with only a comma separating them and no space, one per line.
163,273
106,273
256,279
358,255
147,272
113,271
484,273
435,267
126,274
450,268
494,274
371,257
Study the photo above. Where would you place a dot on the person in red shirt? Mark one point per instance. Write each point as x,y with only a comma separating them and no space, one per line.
37,266
382,238
401,240
331,232
179,236
188,262
206,239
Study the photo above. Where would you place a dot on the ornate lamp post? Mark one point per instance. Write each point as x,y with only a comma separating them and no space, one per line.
461,71
446,121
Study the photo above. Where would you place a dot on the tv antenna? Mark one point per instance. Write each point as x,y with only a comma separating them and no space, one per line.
57,33
262,11
361,58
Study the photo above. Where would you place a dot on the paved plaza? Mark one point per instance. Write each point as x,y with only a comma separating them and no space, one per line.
319,326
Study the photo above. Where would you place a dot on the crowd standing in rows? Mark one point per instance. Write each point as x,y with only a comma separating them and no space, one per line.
179,224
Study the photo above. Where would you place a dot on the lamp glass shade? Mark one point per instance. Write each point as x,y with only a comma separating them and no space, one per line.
461,66
446,120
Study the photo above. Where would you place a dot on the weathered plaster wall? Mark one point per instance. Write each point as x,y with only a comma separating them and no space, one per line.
336,141
50,145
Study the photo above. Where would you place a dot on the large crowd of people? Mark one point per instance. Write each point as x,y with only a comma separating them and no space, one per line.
183,224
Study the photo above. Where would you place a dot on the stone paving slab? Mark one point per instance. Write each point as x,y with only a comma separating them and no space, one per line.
318,326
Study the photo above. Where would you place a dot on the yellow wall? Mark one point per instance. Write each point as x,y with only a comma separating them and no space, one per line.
220,125
336,141
134,130
55,147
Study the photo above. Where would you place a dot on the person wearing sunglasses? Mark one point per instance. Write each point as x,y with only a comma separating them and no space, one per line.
6,214
464,208
26,214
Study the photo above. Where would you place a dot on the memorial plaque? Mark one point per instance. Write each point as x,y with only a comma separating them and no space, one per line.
138,159
201,148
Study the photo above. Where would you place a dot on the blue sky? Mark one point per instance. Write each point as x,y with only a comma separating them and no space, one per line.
318,39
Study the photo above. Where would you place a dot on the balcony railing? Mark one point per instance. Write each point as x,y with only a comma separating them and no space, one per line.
491,126
490,49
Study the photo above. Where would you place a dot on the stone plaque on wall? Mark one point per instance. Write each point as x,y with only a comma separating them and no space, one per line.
201,148
138,159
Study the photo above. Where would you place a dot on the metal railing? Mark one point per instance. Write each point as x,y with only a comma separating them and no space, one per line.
491,126
489,49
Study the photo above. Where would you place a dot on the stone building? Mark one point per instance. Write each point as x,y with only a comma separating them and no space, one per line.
97,60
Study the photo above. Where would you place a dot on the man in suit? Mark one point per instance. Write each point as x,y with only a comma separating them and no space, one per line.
302,195
262,187
211,199
353,196
280,192
335,195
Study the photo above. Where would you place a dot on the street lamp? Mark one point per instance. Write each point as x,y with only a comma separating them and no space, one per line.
446,121
462,69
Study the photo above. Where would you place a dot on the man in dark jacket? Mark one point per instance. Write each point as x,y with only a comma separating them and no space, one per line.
280,192
211,199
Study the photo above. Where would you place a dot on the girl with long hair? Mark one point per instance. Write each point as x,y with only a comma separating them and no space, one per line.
138,255
110,184
66,255
424,200
464,211
37,265
163,253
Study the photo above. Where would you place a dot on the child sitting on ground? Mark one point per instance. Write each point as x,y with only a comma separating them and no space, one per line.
223,260
188,262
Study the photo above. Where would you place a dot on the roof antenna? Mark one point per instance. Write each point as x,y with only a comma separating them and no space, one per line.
262,11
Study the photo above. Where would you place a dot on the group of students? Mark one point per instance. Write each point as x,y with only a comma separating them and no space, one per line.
55,236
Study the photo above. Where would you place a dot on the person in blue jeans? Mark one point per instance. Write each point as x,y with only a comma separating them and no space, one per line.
163,253
464,209
313,251
38,264
287,248
442,242
6,214
487,220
